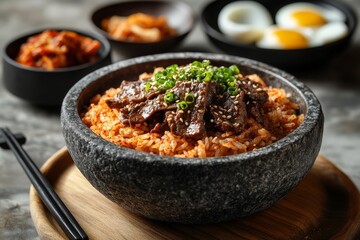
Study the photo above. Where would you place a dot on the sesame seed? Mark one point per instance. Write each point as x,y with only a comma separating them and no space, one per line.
236,108
212,120
223,116
228,117
186,123
236,102
181,120
201,111
188,111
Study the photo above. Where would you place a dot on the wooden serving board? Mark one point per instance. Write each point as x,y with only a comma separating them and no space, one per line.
326,205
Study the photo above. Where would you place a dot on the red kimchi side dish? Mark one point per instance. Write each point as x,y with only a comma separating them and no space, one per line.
52,49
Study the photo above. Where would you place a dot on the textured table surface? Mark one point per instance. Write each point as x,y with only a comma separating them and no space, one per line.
336,84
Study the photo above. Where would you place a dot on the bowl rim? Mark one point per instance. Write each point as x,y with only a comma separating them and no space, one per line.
104,42
69,110
219,36
115,40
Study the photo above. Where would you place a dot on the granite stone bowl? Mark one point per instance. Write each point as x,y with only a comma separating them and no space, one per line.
194,190
43,87
180,16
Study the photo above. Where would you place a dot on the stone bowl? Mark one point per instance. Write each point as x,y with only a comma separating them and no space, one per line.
44,87
194,190
180,16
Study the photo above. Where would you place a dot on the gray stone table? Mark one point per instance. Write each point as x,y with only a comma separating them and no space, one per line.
337,85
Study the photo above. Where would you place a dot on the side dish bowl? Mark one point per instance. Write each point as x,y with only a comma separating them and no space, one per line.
288,59
193,190
47,87
179,15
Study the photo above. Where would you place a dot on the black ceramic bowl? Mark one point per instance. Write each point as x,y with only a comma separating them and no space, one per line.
194,190
179,15
288,59
43,87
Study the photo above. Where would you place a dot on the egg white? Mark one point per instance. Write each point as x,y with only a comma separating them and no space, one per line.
244,21
330,32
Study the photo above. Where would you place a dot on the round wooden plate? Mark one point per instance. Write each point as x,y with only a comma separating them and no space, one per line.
326,205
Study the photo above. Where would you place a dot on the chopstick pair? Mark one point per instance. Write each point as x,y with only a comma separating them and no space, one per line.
51,200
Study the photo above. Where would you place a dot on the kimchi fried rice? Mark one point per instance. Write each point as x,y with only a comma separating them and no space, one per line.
281,117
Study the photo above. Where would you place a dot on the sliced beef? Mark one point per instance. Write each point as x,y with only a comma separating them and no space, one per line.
125,114
253,90
209,113
131,92
157,123
255,98
190,122
140,112
128,90
229,112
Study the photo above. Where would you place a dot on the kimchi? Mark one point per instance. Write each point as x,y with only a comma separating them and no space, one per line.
58,49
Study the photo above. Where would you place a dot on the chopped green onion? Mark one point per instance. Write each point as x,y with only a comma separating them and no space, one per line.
172,68
189,98
206,63
147,87
169,97
233,91
208,76
234,69
196,64
201,71
169,84
182,105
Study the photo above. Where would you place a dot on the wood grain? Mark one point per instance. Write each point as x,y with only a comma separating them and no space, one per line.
326,205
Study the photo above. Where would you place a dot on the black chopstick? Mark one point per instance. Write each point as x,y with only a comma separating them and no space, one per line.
51,200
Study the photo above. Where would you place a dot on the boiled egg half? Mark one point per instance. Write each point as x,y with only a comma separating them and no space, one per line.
244,21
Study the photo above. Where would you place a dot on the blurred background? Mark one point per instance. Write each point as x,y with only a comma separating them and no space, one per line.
336,83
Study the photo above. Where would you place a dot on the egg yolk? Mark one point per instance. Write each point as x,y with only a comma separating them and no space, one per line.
289,39
308,18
